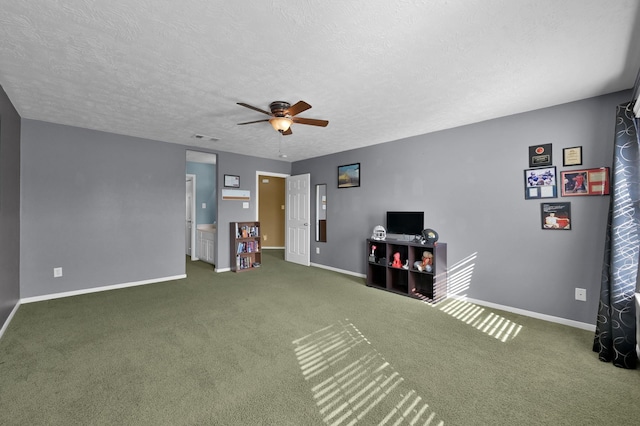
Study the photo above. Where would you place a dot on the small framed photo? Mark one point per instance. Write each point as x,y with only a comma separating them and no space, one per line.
585,182
540,155
572,156
349,175
540,183
231,181
556,216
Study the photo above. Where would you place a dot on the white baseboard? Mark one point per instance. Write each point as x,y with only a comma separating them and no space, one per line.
550,318
98,289
342,271
9,318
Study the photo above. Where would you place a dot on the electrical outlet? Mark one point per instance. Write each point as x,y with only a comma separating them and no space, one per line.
57,272
317,250
581,294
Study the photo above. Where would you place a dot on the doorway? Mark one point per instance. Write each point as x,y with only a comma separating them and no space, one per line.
201,206
190,229
297,248
271,210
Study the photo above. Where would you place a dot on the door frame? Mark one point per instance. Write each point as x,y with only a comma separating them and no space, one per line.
272,174
194,220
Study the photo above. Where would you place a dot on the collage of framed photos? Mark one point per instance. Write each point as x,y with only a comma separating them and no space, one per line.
541,181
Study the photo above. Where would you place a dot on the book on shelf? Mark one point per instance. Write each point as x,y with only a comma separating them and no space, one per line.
248,247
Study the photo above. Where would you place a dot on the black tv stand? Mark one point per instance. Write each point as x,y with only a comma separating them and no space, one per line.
428,286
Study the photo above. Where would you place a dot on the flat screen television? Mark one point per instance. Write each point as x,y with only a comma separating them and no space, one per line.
408,223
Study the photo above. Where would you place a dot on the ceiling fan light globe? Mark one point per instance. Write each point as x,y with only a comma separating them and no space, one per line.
280,124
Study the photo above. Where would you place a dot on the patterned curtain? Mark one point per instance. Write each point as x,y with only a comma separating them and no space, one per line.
615,338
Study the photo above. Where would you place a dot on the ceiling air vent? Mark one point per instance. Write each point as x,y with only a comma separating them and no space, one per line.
205,137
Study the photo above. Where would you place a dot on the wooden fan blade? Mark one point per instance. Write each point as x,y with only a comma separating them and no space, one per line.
251,122
297,108
288,132
310,121
253,108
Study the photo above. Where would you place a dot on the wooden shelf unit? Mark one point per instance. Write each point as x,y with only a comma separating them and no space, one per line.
245,246
428,286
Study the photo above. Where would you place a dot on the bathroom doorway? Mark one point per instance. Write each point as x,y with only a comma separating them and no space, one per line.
201,211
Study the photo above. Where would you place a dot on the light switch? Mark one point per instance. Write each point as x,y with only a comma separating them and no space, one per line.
245,205
204,205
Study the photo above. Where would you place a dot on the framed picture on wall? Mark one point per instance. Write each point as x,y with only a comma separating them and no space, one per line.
540,183
585,182
556,216
231,181
540,155
349,175
572,156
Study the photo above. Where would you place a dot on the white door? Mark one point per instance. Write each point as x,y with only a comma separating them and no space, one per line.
298,232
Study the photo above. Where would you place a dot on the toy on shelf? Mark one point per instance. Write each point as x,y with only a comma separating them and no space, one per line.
426,263
396,261
379,233
372,256
429,236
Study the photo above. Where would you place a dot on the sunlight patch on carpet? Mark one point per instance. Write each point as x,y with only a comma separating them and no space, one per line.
458,283
487,322
351,382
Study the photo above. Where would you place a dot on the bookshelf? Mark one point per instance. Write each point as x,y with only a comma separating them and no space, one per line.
245,246
430,286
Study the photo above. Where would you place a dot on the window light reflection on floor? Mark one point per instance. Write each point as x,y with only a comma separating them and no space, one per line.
351,382
456,305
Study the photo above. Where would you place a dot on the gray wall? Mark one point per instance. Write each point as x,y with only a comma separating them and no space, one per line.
231,210
9,207
108,209
470,183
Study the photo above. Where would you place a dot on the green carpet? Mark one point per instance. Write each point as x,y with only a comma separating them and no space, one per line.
292,345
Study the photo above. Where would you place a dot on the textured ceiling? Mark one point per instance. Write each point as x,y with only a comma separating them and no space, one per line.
378,71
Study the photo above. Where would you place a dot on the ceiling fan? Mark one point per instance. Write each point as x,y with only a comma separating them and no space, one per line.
283,115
